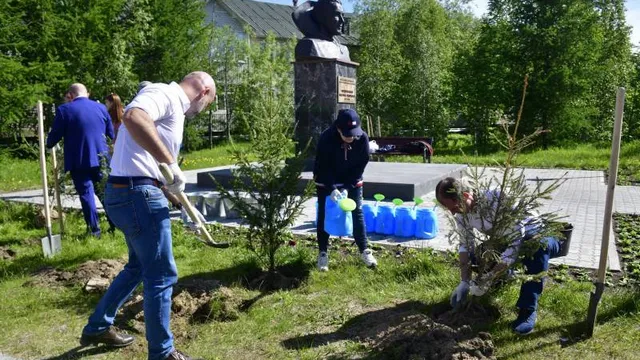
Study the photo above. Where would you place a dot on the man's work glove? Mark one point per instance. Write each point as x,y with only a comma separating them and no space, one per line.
179,180
459,295
335,195
193,226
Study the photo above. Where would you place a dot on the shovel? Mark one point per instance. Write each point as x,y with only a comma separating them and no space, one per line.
182,197
56,173
51,244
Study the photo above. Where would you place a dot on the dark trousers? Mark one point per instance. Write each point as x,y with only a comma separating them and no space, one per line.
530,291
87,183
359,232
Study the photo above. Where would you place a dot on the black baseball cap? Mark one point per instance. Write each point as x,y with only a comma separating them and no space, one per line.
348,122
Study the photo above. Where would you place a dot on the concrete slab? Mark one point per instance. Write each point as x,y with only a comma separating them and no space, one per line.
394,180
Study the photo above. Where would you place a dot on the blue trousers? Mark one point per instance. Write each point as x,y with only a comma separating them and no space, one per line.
359,231
142,214
86,182
530,291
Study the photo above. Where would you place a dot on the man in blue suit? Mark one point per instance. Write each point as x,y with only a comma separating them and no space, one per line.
84,124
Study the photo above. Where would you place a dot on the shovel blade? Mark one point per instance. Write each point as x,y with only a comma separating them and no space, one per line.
51,245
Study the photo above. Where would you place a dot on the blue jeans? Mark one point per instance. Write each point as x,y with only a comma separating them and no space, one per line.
359,231
142,214
530,291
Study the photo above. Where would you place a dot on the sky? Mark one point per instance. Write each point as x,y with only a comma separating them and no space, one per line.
479,7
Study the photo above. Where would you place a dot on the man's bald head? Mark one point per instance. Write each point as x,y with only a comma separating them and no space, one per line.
201,90
77,90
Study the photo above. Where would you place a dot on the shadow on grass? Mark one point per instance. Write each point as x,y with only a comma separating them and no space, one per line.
406,330
249,274
355,328
79,353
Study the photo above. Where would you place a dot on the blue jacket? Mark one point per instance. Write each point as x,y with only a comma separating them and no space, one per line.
338,164
84,124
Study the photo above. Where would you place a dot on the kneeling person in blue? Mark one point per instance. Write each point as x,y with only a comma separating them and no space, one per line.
341,157
463,204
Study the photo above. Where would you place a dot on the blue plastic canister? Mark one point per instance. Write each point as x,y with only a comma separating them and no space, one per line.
370,213
385,221
336,221
426,224
405,222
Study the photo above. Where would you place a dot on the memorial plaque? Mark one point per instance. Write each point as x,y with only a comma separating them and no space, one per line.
346,90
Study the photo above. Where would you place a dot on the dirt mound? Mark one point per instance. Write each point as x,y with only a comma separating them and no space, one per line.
419,337
195,300
6,253
91,275
401,333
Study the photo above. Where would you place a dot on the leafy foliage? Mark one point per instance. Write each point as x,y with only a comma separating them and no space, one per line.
265,187
406,55
576,53
109,45
503,199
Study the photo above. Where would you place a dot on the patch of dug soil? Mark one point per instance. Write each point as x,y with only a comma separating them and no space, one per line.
194,300
470,315
419,337
408,334
91,275
6,253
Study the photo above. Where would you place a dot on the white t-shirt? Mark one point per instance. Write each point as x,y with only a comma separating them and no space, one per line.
166,105
467,223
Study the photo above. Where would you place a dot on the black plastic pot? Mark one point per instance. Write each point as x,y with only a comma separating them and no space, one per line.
565,238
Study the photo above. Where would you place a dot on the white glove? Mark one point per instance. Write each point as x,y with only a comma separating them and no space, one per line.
190,223
335,195
459,295
478,290
179,180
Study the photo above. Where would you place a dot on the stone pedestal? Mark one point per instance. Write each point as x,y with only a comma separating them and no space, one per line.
316,97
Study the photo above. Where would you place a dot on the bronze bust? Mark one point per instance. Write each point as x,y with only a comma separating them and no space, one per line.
320,21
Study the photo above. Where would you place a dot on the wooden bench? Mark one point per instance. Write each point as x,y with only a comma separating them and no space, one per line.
404,146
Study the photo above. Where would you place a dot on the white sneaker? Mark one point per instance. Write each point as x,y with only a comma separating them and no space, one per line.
323,261
367,257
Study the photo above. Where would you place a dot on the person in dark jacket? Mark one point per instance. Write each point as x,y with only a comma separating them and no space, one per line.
84,124
341,157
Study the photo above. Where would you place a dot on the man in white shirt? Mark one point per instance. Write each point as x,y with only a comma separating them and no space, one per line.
474,212
150,134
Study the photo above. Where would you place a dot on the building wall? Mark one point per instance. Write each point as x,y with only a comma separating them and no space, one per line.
221,18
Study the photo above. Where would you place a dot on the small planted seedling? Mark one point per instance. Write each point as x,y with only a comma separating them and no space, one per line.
378,197
397,202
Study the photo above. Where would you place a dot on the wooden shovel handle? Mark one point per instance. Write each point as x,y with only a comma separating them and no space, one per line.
168,175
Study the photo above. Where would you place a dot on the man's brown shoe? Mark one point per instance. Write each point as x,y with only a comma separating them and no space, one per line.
177,355
109,338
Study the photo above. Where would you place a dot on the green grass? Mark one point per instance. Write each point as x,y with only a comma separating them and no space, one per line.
40,322
583,157
218,156
23,174
20,174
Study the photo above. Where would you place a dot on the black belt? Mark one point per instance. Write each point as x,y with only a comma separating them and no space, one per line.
133,180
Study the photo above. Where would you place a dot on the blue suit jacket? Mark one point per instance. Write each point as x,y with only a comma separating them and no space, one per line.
84,124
